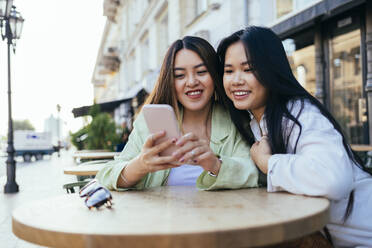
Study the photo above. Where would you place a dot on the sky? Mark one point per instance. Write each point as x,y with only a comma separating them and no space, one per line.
54,61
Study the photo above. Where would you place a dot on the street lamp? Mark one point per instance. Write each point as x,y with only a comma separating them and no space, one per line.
13,22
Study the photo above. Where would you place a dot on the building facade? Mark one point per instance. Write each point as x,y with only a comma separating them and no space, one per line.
328,43
54,126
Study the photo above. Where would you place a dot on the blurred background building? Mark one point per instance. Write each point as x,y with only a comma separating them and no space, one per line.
54,125
327,43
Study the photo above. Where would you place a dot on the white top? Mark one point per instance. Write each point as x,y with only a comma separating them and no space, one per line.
321,167
184,175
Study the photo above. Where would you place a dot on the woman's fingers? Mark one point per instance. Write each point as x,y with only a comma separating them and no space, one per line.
185,138
162,146
188,147
150,142
163,160
205,156
194,154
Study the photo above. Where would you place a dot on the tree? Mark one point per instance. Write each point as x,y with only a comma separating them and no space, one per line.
23,125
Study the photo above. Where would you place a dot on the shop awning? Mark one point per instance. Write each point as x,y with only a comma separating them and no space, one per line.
104,107
109,106
322,10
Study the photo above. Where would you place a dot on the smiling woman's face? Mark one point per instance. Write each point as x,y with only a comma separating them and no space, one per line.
240,84
193,83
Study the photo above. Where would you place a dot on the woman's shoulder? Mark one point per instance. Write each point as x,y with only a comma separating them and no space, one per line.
303,108
308,114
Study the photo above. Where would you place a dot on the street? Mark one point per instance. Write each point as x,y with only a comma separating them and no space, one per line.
37,180
20,164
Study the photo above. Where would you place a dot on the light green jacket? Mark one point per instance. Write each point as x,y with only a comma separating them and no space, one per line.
237,169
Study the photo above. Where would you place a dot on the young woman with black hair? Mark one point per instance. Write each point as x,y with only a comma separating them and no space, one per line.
294,140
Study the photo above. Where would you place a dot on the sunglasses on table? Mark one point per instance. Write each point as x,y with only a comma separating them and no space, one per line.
96,195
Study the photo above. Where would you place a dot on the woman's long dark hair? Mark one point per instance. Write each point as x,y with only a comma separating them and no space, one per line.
270,66
164,90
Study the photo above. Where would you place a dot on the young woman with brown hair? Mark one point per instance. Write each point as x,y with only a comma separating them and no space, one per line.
189,81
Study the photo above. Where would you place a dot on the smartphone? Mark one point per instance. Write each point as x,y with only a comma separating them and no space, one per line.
161,117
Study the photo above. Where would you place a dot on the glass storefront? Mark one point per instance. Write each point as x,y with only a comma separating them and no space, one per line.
300,51
348,105
336,48
302,62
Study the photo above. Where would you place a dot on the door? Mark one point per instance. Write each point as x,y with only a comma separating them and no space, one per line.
347,96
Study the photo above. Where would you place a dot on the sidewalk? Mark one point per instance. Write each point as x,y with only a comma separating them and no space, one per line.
37,180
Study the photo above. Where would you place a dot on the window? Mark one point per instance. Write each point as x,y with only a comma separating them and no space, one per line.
301,57
145,54
347,101
162,37
283,7
131,69
355,56
201,6
191,9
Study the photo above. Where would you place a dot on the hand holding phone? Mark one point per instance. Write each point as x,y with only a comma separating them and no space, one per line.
161,117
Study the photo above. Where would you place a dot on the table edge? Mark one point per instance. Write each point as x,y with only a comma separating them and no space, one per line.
218,238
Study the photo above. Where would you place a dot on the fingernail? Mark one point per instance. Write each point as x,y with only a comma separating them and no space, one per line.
182,160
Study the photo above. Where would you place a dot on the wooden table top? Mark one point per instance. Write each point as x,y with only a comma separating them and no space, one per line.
178,216
95,155
83,170
361,148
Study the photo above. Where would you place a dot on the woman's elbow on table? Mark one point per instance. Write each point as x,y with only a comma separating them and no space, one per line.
337,177
338,187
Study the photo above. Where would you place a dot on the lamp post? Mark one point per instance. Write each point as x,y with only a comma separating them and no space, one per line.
13,22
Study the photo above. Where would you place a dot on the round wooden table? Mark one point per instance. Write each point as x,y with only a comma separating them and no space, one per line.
95,155
83,170
361,148
172,217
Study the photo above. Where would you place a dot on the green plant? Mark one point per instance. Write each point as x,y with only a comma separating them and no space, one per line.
101,133
78,139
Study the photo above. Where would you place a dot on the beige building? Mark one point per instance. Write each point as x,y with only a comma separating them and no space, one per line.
137,35
328,44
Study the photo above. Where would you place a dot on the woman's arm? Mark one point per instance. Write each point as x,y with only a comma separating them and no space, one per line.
109,175
137,160
237,169
148,160
320,167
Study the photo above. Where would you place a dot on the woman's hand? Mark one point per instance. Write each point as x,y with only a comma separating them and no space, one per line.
261,153
149,158
196,150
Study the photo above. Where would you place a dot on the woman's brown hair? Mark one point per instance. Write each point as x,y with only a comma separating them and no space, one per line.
164,90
